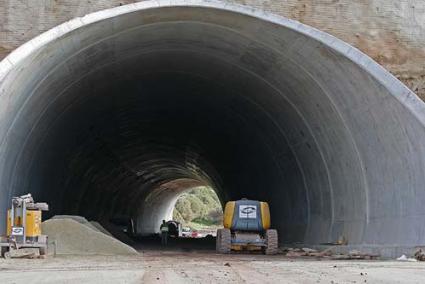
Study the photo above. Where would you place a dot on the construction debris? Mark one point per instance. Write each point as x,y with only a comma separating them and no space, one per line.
79,237
296,252
355,254
342,240
402,258
23,253
405,258
328,253
420,255
309,250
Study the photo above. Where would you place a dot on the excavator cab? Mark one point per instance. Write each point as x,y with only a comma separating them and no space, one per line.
246,227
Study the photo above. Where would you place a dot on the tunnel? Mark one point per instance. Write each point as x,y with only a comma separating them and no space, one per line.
119,112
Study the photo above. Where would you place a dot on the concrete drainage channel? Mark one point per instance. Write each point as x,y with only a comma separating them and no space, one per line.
97,114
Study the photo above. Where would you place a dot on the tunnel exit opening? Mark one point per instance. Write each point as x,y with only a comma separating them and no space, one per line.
181,201
199,211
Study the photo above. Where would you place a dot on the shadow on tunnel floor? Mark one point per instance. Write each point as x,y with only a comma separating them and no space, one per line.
153,242
175,244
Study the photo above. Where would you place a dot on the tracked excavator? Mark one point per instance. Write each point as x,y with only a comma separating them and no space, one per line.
246,227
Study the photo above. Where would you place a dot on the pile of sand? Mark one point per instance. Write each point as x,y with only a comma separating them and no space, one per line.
75,235
92,224
100,228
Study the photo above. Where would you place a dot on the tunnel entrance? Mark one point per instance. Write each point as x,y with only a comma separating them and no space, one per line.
103,114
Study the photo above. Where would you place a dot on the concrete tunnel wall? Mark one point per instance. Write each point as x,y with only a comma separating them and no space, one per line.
98,113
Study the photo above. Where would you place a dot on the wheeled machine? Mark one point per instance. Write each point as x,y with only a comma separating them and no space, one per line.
246,227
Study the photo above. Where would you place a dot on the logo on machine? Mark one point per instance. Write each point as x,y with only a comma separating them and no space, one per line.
17,231
248,211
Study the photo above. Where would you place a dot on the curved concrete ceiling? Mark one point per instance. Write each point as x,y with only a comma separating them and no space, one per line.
97,113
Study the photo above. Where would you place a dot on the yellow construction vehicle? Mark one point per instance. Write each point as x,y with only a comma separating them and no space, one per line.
246,227
24,227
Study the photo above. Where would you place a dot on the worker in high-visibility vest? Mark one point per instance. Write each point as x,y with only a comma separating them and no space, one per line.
164,233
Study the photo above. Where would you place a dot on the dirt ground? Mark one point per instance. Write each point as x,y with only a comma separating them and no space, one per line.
195,261
177,266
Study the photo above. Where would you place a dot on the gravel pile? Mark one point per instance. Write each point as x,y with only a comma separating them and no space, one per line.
76,236
100,228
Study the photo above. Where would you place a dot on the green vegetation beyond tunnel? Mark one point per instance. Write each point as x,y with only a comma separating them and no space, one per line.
198,209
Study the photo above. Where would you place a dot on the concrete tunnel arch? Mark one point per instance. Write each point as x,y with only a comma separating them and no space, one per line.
99,111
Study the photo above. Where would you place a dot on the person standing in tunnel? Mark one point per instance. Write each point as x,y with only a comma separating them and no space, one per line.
164,233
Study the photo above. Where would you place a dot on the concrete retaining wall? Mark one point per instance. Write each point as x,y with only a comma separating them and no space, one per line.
392,32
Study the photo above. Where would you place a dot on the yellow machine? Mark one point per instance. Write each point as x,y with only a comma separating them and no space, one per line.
23,226
32,223
246,227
